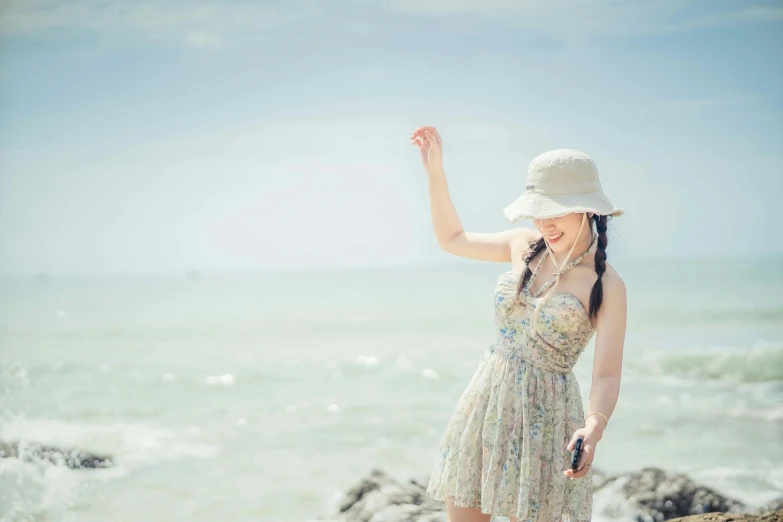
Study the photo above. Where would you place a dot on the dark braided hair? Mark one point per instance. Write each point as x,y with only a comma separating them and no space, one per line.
597,293
534,247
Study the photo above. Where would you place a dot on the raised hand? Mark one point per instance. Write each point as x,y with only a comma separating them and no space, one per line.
430,147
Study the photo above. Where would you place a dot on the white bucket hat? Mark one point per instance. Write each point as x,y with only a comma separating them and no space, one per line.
560,182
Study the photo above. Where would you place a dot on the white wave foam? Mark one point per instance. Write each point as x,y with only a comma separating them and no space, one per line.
367,360
220,380
40,490
429,374
128,444
759,486
611,505
36,492
743,412
775,477
760,363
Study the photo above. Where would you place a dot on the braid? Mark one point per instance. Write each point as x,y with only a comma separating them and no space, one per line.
597,293
534,247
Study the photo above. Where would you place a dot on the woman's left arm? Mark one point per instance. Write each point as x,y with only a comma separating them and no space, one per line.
607,368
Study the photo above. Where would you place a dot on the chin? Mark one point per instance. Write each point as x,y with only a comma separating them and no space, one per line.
560,247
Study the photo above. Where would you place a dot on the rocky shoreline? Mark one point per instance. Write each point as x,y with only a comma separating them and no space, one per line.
648,495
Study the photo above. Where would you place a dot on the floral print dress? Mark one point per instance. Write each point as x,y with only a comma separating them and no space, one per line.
504,447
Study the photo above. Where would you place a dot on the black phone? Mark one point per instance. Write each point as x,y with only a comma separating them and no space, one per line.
577,454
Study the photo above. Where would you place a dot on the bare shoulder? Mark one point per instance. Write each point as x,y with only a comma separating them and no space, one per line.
613,284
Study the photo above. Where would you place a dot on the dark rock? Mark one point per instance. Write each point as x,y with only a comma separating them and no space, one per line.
376,480
732,517
74,459
649,495
655,495
380,498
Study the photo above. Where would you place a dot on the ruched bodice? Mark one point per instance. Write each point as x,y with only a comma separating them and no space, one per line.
564,329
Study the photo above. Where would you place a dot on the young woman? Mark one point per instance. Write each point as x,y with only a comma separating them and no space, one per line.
507,448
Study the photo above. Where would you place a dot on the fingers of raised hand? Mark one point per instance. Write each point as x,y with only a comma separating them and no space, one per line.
432,139
418,132
426,133
434,135
418,137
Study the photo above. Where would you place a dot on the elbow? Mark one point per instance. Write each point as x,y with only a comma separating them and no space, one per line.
446,243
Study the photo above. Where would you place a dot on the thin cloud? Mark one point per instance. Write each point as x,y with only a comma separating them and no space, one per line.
204,25
212,25
579,20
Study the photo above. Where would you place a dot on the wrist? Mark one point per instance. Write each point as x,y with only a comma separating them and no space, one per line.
595,426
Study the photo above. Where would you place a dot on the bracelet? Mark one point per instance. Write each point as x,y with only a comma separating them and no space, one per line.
598,413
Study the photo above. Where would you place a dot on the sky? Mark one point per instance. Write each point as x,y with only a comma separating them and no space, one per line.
166,136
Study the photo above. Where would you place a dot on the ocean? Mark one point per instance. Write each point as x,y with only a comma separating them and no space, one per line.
263,396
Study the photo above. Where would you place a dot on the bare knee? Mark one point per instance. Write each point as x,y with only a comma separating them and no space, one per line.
461,514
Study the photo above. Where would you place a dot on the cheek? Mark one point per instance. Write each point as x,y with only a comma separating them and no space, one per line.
571,226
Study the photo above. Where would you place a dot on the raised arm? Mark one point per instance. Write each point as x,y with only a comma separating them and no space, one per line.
451,236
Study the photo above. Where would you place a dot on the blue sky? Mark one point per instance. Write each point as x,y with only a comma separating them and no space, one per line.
169,136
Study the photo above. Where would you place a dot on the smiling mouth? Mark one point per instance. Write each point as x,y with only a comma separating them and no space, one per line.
555,237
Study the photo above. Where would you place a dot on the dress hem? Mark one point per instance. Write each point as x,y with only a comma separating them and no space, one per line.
469,505
448,498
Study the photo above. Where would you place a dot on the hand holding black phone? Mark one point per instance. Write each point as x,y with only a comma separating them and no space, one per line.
577,454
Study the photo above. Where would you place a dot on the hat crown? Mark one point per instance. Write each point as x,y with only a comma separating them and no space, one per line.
562,166
562,172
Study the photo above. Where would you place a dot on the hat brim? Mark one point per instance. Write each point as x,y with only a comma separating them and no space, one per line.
539,206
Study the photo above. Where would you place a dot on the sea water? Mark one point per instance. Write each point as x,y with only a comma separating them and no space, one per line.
264,396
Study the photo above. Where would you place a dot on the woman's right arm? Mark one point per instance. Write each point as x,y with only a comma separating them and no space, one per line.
448,229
